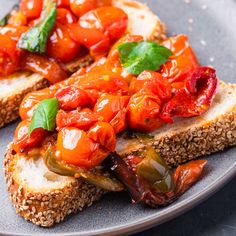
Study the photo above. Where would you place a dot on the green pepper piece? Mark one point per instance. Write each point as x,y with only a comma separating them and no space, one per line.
154,169
5,19
35,39
96,179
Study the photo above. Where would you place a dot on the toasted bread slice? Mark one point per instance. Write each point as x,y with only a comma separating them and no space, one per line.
141,21
46,198
189,138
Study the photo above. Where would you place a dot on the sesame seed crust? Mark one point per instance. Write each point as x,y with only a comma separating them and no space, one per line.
50,207
9,106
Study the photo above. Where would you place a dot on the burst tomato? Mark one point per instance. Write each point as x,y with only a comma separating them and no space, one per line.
72,97
23,140
104,3
61,45
31,8
81,7
181,62
113,109
65,16
63,3
111,20
83,119
144,112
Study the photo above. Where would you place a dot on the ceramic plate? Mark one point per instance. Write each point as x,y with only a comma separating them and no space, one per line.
211,28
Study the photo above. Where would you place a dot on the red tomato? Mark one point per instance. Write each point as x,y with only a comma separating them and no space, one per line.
63,3
181,62
83,119
49,68
71,97
104,3
75,147
111,20
113,109
153,83
31,8
30,102
60,44
80,7
103,133
93,39
143,112
9,53
65,16
22,139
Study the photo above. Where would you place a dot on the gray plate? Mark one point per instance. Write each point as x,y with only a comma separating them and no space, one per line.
213,36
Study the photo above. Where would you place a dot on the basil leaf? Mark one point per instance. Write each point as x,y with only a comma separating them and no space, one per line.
139,56
35,39
45,115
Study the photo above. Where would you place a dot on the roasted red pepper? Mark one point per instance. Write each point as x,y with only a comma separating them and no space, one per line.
195,98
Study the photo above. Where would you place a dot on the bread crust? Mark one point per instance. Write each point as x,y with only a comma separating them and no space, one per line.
48,207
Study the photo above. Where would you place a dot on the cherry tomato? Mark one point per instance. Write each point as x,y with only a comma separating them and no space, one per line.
153,83
104,3
83,119
61,45
113,109
9,53
181,62
23,140
103,133
80,7
75,147
143,112
71,97
93,39
49,68
65,16
31,8
63,3
111,20
30,102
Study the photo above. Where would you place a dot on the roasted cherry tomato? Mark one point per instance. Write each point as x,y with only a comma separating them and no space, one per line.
72,97
63,3
83,119
23,140
113,109
103,133
151,83
181,62
31,8
65,16
9,53
49,68
61,45
144,112
93,39
75,147
30,102
80,7
103,3
111,20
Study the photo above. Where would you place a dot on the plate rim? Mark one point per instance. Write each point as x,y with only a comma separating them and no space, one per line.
146,223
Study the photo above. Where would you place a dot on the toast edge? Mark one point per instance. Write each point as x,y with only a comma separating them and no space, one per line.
46,209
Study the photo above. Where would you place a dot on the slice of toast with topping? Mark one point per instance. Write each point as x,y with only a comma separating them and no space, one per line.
45,198
13,88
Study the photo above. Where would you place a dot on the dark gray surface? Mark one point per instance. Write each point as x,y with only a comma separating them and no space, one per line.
213,37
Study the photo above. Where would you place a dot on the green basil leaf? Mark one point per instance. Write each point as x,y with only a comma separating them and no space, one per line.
139,56
35,39
45,115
